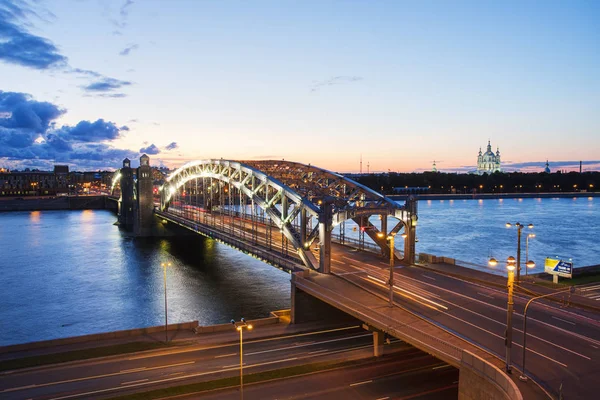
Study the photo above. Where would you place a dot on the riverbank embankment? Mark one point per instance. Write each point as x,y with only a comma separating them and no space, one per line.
492,196
56,203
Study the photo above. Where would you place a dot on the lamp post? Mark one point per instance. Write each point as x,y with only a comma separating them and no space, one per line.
390,238
164,266
529,263
519,228
240,326
509,311
523,377
510,267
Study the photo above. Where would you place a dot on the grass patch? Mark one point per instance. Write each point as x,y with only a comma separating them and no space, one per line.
235,380
83,354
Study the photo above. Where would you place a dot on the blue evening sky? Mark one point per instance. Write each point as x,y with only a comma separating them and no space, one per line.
401,82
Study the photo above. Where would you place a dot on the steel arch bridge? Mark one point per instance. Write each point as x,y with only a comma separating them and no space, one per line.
305,203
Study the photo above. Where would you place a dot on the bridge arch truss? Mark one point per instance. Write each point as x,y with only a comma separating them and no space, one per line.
304,202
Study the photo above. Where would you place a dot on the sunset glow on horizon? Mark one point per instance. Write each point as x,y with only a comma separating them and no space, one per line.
397,84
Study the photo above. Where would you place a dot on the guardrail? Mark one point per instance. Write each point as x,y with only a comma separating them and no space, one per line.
263,254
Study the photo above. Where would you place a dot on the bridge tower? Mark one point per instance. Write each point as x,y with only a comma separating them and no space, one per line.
126,201
144,204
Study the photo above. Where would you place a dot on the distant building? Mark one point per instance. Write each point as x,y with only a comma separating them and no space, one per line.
434,169
547,169
488,162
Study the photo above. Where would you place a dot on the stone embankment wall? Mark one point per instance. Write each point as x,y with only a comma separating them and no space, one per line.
477,196
56,203
99,336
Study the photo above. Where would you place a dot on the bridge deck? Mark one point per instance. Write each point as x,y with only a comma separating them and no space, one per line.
374,310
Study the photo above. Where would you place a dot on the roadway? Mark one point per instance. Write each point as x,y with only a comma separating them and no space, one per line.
563,344
130,373
393,377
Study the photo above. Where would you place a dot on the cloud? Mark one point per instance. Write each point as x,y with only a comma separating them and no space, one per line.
128,49
86,131
152,149
20,111
19,46
124,8
172,146
121,23
336,80
29,135
106,85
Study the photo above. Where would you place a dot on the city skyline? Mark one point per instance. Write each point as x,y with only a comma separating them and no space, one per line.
89,83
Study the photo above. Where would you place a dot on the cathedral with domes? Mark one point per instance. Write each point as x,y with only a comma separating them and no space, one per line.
488,162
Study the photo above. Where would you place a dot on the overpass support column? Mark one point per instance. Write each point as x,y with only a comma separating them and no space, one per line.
325,219
378,340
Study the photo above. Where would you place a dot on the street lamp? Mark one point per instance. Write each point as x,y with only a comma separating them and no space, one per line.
164,266
519,228
523,376
509,311
240,328
390,238
530,264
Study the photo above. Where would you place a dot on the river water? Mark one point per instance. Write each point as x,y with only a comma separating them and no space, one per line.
67,273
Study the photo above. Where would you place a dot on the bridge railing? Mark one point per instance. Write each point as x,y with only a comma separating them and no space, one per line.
362,245
286,262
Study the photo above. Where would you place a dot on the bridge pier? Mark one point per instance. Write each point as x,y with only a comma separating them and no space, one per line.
144,204
127,199
307,308
136,205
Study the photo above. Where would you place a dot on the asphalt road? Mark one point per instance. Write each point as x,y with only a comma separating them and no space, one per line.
563,344
393,377
108,377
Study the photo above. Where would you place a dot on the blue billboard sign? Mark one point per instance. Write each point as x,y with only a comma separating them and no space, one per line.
559,267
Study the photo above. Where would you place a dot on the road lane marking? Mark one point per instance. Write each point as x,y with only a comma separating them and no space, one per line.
132,382
19,388
226,355
245,342
386,287
308,344
517,330
231,366
318,351
563,320
166,380
428,277
382,398
409,292
360,383
133,370
441,366
87,378
582,337
485,295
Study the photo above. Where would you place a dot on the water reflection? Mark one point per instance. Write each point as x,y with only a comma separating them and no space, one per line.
87,276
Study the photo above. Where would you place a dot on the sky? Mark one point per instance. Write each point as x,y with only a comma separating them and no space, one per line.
398,83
